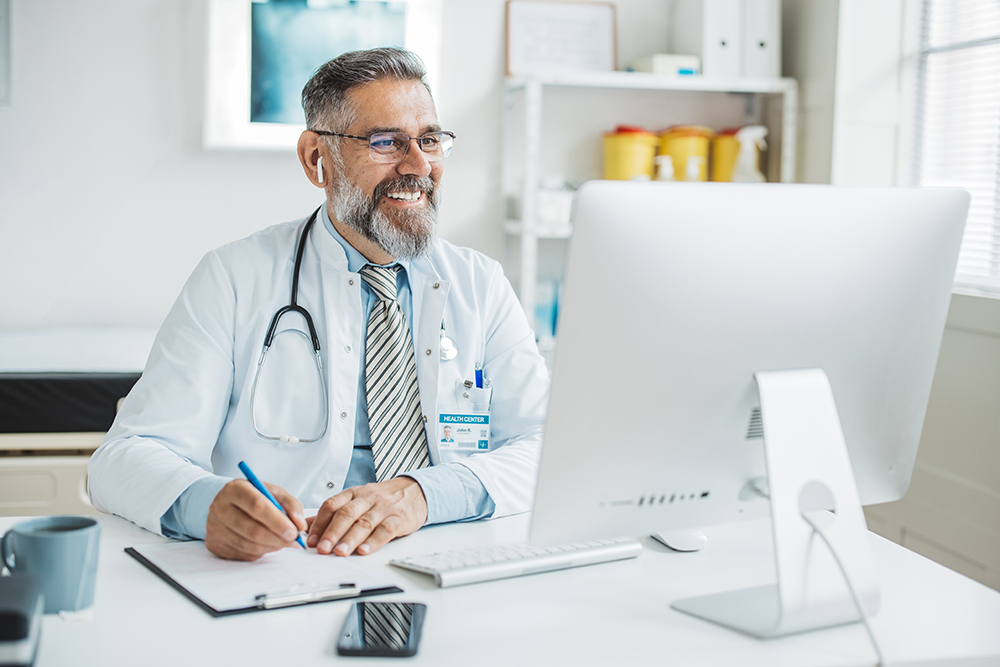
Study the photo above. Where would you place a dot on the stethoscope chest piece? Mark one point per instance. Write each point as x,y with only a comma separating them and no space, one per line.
448,349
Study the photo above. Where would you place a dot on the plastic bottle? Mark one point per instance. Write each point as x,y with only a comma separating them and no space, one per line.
747,168
695,165
664,168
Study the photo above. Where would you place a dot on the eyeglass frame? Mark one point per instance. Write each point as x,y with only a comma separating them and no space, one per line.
372,152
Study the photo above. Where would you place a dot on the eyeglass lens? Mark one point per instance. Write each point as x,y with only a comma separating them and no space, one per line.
392,146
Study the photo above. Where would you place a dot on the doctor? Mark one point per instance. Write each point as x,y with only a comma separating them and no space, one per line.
346,410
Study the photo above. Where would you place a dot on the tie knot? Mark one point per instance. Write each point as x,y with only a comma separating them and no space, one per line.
382,280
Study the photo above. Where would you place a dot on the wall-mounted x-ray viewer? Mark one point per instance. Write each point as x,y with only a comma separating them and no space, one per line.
753,341
262,52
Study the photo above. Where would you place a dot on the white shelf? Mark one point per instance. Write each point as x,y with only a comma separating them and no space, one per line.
769,101
647,81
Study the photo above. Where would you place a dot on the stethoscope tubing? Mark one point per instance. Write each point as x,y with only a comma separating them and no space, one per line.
448,349
269,338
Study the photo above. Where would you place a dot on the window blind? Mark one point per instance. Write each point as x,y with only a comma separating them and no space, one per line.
958,124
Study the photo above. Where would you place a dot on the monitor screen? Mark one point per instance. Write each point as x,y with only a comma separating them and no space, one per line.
676,294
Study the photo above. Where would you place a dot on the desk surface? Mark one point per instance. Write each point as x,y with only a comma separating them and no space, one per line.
609,614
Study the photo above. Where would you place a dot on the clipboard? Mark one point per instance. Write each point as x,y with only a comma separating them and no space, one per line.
285,578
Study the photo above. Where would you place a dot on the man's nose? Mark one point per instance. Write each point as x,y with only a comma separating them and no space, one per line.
415,162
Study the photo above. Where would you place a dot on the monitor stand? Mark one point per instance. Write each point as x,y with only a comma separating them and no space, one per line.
808,467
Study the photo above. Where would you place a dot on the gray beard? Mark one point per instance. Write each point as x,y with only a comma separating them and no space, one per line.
413,232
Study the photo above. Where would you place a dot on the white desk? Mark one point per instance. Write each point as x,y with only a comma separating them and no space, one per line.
610,614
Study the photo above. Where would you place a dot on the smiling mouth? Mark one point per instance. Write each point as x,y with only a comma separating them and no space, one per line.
405,196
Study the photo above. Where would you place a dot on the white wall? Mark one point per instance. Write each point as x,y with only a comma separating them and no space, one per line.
107,200
809,54
951,512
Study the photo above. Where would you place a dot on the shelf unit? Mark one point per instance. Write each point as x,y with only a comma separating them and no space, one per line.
769,102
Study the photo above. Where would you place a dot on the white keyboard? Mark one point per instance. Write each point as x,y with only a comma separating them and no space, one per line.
499,561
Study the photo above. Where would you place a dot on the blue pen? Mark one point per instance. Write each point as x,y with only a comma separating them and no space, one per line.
252,478
479,374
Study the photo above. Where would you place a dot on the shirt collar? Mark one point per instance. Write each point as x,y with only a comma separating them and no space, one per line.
355,260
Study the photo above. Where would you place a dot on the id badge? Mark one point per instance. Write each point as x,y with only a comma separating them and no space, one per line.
464,430
467,428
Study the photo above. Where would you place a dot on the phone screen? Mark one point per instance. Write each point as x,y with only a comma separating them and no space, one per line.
382,629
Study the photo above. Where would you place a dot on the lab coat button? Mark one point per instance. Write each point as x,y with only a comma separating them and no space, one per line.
343,415
427,352
330,485
347,348
351,281
425,419
437,285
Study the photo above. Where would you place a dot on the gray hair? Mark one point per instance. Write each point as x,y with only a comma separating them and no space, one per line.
324,98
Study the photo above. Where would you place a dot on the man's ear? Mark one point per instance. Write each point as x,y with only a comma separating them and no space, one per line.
309,157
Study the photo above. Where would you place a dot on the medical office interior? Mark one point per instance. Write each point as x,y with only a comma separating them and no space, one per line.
109,198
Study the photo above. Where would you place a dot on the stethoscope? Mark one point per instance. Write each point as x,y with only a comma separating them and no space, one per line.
447,347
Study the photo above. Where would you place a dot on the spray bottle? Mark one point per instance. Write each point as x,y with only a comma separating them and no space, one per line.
747,168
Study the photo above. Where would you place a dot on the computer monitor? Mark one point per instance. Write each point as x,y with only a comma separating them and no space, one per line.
680,298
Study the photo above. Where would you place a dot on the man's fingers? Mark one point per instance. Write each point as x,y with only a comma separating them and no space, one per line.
244,525
255,505
375,514
319,524
249,527
385,533
233,546
364,541
291,504
353,512
358,532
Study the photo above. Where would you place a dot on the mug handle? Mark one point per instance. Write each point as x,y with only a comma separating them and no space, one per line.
8,552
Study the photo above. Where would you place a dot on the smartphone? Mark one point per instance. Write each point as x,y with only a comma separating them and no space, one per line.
382,629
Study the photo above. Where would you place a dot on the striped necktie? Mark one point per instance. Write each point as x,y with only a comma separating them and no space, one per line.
395,420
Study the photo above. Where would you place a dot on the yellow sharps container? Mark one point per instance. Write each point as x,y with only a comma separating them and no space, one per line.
687,145
628,153
725,148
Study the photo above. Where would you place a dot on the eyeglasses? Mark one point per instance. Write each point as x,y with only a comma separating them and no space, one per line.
389,147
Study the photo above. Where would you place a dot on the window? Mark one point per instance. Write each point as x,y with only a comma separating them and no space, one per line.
958,123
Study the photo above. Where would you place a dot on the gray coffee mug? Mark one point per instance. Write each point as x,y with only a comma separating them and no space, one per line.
61,551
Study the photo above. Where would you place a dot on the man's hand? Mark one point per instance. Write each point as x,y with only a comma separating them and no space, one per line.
244,525
366,517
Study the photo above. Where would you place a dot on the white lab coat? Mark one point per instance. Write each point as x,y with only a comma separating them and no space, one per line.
189,415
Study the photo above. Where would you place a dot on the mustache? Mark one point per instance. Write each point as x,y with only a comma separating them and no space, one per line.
409,183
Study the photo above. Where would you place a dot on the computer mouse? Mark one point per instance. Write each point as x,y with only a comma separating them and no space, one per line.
682,540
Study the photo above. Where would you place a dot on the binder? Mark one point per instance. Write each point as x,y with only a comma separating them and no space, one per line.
722,39
762,38
285,578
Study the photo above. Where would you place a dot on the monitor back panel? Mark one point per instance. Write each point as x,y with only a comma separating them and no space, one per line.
677,293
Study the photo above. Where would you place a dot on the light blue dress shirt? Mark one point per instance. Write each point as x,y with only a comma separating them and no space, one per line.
453,492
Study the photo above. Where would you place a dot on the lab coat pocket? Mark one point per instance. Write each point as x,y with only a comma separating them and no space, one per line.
473,399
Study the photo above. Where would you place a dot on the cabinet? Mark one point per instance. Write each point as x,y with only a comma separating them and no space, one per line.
554,125
45,473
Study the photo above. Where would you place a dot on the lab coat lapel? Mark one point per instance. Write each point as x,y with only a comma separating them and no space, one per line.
429,293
